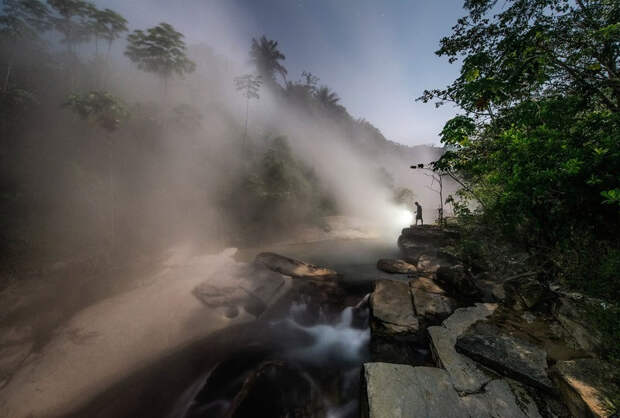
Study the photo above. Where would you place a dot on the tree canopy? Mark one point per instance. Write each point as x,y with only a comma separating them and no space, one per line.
160,50
266,56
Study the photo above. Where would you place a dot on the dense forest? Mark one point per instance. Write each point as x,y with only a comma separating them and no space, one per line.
111,147
537,144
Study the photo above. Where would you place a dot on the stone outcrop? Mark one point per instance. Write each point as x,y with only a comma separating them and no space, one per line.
427,239
587,386
501,399
466,376
432,307
397,390
506,354
294,268
396,266
254,290
392,310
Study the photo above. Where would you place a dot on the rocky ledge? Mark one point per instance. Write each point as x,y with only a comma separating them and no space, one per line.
526,352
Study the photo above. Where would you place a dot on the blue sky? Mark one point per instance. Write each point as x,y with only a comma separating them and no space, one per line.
378,55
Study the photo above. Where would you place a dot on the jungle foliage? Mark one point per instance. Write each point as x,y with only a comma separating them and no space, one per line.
537,145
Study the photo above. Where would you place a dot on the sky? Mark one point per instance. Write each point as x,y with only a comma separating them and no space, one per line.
378,55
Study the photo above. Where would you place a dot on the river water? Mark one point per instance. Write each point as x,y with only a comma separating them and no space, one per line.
310,365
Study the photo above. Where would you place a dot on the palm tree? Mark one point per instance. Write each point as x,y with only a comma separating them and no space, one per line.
327,97
264,54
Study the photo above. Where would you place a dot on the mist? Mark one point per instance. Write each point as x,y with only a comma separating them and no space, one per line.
128,184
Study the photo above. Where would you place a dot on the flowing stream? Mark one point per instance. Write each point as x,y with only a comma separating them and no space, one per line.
307,360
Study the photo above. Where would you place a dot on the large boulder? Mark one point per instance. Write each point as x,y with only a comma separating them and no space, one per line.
294,268
252,288
587,386
506,354
392,311
397,390
432,307
465,374
396,266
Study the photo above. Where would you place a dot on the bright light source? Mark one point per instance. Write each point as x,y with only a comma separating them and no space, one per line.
404,217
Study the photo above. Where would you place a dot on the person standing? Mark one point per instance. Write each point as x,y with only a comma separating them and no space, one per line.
418,214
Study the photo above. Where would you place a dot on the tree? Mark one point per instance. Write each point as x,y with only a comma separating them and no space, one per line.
106,112
159,50
326,97
248,85
73,21
264,54
21,19
107,25
538,141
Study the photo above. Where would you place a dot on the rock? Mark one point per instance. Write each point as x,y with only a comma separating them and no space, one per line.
457,281
396,390
524,293
506,354
276,389
433,307
392,310
571,311
396,266
491,289
463,318
425,284
294,268
464,373
229,298
499,399
428,264
254,289
466,376
587,386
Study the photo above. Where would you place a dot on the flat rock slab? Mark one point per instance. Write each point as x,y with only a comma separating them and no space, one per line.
506,354
392,310
294,268
397,390
433,307
500,399
587,386
396,266
463,318
464,372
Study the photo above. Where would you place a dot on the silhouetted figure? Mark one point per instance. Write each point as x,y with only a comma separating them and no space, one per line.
418,214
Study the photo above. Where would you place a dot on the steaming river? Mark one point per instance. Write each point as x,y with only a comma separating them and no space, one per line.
150,351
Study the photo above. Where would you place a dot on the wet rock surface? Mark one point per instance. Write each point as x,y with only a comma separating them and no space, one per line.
396,266
432,307
587,386
396,390
506,354
294,268
501,399
392,313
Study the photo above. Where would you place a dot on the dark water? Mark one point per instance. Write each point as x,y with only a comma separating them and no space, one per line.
311,366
